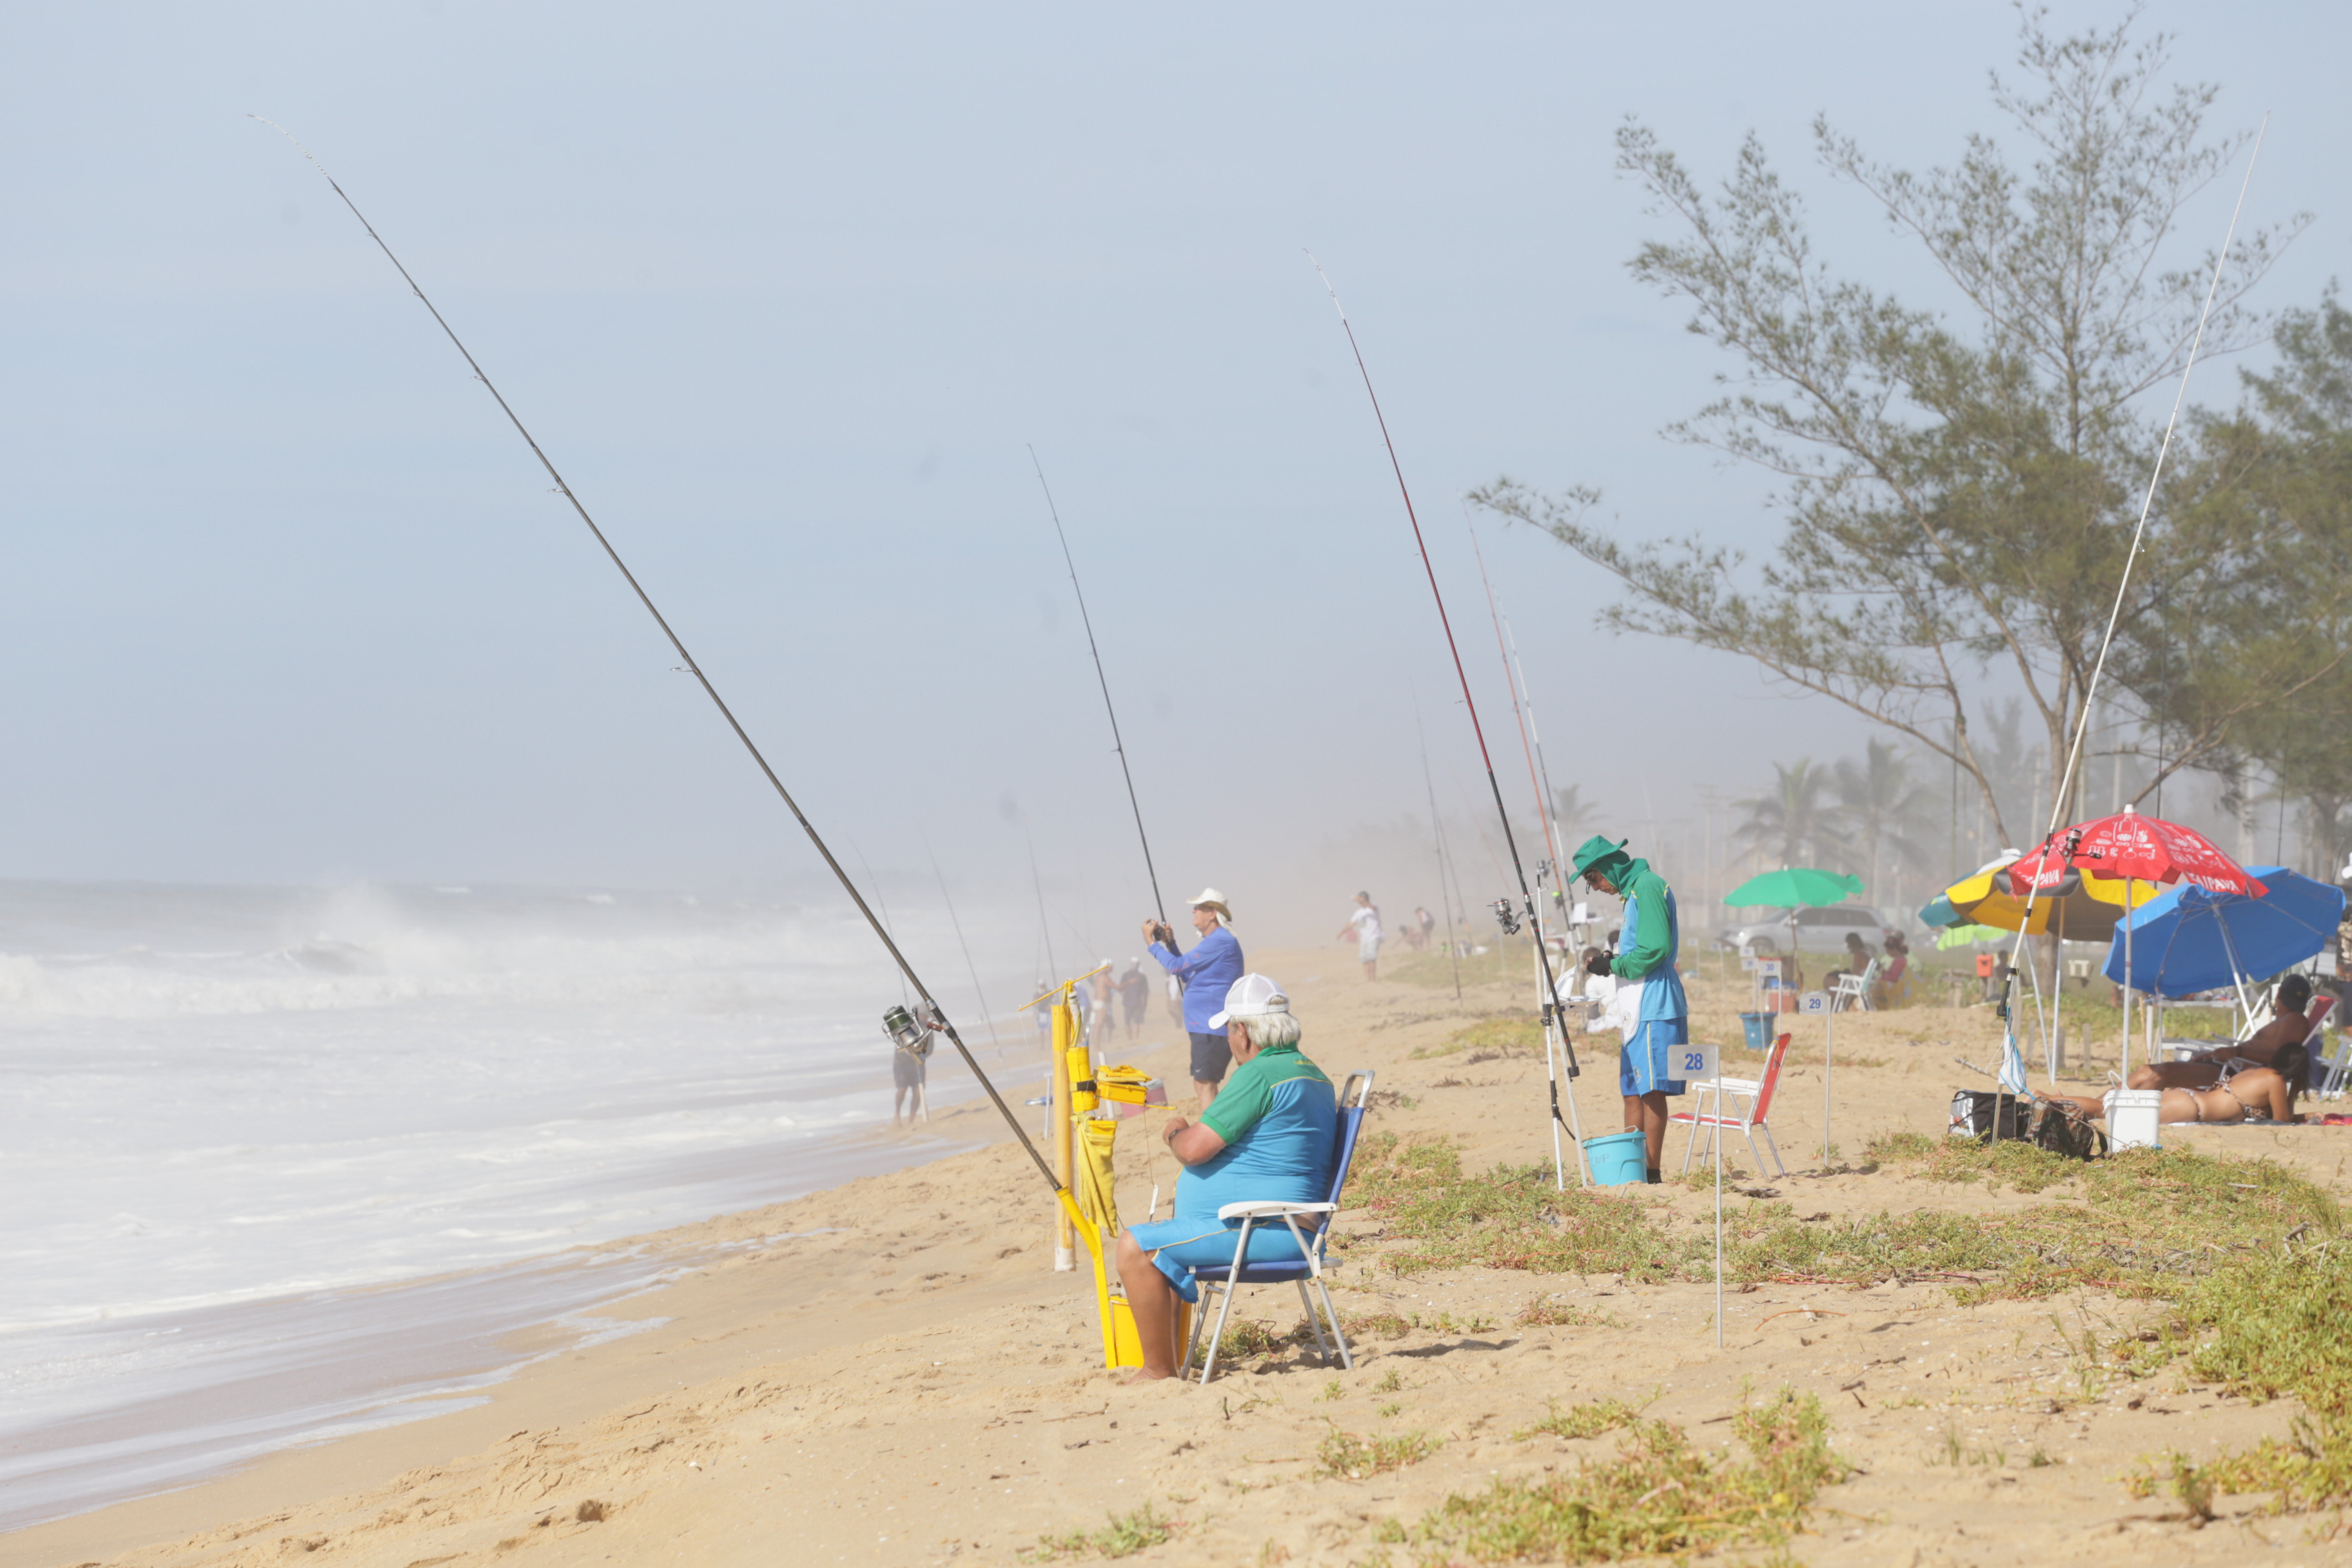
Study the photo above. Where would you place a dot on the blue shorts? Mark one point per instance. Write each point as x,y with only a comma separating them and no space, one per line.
1648,1057
1184,1245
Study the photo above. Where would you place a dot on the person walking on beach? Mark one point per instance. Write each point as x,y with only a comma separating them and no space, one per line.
1660,1020
1364,925
1206,974
1135,995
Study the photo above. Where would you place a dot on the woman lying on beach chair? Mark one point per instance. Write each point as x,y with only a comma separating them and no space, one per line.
1267,1138
2257,1094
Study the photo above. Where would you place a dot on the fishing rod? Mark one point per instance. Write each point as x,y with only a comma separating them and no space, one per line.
1429,784
875,883
1528,698
691,668
1503,653
1543,957
1158,906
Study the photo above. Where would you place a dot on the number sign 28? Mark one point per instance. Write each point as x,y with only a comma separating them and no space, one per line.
1696,1061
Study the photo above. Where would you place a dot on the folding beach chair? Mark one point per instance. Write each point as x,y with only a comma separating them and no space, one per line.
1225,1278
1850,989
1757,1091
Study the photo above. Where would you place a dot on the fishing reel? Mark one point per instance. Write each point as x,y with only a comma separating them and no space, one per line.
1506,917
904,1032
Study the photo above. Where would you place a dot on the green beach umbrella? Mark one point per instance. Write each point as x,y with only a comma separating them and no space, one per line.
1787,888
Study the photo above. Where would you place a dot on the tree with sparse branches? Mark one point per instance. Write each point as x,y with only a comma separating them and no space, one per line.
1960,489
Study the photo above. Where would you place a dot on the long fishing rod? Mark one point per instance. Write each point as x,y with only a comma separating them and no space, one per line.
1551,991
695,670
875,883
1527,700
1502,652
1158,906
1438,834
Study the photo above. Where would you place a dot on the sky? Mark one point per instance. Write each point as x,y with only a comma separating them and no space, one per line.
789,293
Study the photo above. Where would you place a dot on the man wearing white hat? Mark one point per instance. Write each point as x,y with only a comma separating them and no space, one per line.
1269,1136
1206,974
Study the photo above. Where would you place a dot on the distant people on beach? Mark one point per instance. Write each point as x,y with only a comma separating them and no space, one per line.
1206,974
1427,925
1364,925
1106,1000
1894,987
1135,995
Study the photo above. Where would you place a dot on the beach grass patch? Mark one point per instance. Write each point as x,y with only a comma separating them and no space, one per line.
1505,960
1562,1315
1509,1218
1345,1455
1657,1496
1585,1420
1123,1536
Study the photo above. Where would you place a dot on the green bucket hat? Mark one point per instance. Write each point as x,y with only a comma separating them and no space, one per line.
1597,854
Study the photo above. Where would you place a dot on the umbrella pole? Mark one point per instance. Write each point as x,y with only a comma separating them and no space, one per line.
2130,977
2237,970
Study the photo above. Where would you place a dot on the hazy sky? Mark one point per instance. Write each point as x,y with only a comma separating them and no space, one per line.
786,292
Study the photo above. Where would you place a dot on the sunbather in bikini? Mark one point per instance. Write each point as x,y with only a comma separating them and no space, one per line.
2257,1094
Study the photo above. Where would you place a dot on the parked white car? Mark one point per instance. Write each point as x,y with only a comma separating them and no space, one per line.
1816,931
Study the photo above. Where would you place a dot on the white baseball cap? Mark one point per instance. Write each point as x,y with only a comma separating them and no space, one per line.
1251,996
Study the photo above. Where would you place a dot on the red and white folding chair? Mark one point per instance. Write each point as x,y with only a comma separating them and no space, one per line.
1725,1094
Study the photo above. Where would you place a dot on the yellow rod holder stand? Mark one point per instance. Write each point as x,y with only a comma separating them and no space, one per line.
1064,1214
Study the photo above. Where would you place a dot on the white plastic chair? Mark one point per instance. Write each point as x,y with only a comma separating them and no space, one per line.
1751,1121
1849,989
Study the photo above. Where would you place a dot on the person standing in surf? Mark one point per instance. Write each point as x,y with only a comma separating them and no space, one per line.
1660,1020
1206,974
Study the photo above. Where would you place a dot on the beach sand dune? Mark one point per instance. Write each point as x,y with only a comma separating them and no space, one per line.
888,1371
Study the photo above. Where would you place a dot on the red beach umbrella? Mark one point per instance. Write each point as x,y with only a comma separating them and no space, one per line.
2145,848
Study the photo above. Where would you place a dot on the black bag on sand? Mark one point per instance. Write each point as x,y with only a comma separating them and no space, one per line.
1974,1113
2059,1130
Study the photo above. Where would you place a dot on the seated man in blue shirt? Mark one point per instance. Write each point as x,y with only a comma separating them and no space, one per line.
1268,1138
1207,971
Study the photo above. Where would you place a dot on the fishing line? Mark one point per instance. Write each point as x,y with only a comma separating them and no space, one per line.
1429,784
695,670
875,882
972,969
1551,991
1116,744
2122,586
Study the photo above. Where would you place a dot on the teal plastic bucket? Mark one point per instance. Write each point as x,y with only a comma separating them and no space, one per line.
1620,1160
1759,1030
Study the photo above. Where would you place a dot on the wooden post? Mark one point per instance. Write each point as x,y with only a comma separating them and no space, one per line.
1064,1030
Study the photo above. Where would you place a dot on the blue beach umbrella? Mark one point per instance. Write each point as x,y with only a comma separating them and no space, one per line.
2188,940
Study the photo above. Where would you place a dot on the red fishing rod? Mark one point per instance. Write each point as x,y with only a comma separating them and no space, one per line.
691,668
1527,894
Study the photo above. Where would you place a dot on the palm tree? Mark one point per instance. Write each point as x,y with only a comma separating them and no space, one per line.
1570,812
1791,823
1882,811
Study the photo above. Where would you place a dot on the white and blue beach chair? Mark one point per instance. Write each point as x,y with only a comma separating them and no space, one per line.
1224,1278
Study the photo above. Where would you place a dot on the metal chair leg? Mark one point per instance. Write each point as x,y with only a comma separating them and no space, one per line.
1346,1362
1768,1144
1314,1324
1200,1321
1232,1286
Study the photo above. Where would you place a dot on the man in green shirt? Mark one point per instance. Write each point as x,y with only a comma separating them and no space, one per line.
1269,1138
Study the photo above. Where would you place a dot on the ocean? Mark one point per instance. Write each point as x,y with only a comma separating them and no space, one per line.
285,1162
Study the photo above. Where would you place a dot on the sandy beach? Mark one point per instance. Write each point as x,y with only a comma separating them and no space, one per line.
889,1372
